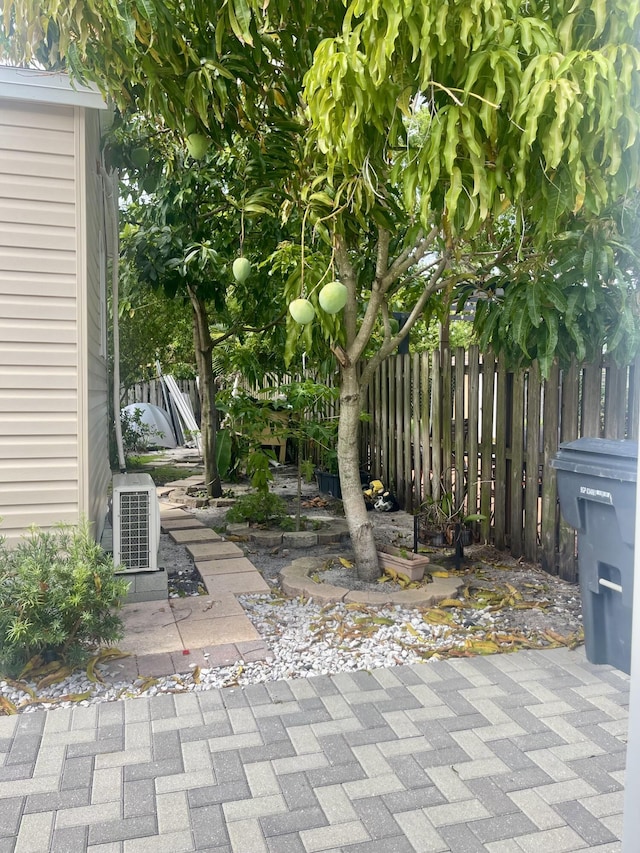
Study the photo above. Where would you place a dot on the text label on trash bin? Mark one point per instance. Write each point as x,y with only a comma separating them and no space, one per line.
598,494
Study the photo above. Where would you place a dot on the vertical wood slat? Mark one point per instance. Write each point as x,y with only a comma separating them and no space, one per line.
550,420
436,426
517,459
398,428
407,433
365,428
415,431
567,564
500,505
378,414
425,421
615,402
486,444
384,471
446,418
591,400
472,430
532,464
459,428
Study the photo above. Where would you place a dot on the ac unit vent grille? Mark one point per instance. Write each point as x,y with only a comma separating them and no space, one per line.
134,530
136,523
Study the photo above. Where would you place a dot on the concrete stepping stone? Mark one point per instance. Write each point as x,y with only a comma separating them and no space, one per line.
226,629
238,583
213,550
198,607
169,512
180,524
228,566
149,628
199,534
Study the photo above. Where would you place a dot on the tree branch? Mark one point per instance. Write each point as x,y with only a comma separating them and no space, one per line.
382,260
434,284
409,257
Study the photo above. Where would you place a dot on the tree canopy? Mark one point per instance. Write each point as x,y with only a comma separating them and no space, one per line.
428,128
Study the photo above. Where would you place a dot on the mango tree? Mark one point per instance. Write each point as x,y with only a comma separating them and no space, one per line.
427,124
530,113
190,232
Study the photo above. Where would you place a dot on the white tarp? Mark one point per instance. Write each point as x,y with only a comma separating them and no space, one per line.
161,431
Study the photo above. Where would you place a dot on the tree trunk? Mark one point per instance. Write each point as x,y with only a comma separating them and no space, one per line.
358,519
209,415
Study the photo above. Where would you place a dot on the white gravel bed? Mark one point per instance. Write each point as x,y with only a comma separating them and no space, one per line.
306,640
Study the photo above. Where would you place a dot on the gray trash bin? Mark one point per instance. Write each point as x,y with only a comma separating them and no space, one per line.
597,491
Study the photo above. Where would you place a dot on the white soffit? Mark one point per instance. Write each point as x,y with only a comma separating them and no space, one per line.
47,87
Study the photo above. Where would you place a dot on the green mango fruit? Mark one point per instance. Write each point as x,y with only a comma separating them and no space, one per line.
197,145
241,270
302,311
140,157
333,297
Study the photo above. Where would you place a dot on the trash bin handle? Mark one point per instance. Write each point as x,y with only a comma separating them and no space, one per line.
610,585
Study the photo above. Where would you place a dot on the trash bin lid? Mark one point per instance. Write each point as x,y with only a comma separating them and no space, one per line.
600,457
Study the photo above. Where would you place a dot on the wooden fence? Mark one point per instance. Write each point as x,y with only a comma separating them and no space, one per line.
461,423
154,392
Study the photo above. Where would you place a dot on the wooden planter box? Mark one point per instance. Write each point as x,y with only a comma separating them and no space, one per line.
412,565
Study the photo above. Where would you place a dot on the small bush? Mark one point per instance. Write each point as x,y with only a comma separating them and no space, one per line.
258,508
58,594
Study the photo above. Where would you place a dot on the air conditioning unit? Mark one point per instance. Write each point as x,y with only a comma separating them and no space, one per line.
136,523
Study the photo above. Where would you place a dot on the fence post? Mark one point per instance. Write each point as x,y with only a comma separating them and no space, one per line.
567,563
532,481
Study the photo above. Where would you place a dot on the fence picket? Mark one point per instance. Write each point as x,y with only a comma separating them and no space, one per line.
459,419
517,460
500,492
486,444
426,431
472,430
567,566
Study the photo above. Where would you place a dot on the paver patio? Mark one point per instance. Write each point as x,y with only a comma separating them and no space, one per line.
520,753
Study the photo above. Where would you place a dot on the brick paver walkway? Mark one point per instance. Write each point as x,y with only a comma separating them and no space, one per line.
510,753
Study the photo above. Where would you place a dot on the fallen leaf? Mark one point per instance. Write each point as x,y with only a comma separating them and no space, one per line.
7,707
346,563
438,617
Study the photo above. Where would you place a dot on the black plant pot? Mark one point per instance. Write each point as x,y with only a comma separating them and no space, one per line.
329,484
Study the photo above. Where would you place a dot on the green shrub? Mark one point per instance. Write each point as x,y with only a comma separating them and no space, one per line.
259,508
58,596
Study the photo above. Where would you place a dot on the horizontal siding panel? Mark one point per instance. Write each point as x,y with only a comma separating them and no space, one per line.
37,260
38,379
37,493
35,471
15,426
28,306
38,165
38,331
26,211
34,447
32,187
17,520
45,236
51,402
37,140
18,355
42,284
29,115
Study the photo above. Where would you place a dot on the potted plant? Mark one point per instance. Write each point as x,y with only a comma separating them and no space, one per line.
442,523
403,561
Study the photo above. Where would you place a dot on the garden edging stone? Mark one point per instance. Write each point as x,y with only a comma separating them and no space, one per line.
295,579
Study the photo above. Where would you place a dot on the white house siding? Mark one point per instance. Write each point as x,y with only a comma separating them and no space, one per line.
95,465
39,345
